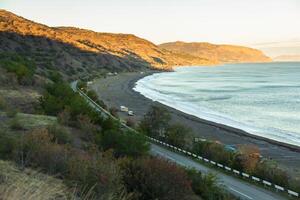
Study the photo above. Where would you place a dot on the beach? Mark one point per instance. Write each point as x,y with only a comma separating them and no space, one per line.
118,90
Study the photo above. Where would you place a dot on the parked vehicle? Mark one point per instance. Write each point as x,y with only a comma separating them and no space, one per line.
130,113
123,108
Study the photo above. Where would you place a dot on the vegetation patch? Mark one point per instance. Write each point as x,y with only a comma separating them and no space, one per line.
29,184
21,66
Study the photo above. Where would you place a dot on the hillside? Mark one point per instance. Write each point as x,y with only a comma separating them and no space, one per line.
76,51
79,53
218,53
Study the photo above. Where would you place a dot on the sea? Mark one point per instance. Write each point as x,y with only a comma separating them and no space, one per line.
262,99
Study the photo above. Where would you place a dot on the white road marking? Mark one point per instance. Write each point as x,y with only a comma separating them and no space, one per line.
240,193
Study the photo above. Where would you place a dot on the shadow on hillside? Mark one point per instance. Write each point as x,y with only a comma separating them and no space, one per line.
72,61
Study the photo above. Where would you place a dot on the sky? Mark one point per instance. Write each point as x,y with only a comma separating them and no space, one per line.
256,23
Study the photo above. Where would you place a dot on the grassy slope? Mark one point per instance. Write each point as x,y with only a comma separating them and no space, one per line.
28,184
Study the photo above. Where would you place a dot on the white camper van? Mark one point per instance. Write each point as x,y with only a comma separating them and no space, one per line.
123,108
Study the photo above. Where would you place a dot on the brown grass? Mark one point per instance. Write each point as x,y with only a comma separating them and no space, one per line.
30,185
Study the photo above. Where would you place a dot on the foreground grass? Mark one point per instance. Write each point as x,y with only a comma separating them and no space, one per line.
28,184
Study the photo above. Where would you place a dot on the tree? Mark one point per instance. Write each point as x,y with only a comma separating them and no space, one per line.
156,122
178,135
154,178
249,156
124,143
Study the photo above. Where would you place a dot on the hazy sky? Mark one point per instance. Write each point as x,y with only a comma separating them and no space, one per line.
220,21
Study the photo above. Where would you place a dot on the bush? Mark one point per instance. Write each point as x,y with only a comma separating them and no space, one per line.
21,66
89,129
11,112
8,144
97,171
271,172
2,103
38,150
207,187
60,134
124,144
15,124
154,178
93,170
64,117
92,94
248,157
55,76
214,151
114,112
130,122
110,124
59,97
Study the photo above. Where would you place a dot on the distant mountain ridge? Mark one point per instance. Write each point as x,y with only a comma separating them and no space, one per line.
217,53
78,52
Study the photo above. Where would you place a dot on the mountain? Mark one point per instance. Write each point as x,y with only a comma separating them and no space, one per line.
217,53
81,53
76,51
287,58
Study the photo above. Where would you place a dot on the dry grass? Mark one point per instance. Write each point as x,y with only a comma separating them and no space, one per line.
16,184
29,185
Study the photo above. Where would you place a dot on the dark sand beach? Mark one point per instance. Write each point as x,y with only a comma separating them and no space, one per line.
118,90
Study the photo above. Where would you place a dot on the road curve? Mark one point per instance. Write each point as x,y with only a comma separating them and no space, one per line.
238,187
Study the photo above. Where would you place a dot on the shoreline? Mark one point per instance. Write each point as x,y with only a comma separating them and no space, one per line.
216,124
118,90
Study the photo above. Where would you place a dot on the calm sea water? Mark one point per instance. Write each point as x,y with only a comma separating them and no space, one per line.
262,99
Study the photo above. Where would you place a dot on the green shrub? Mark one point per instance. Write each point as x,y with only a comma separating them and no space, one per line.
124,144
2,103
11,112
59,97
206,186
215,151
270,171
15,124
60,134
8,144
21,66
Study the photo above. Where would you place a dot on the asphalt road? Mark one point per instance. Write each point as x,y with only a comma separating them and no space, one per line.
236,186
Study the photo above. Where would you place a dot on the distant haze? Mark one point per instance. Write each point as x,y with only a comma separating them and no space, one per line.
246,22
